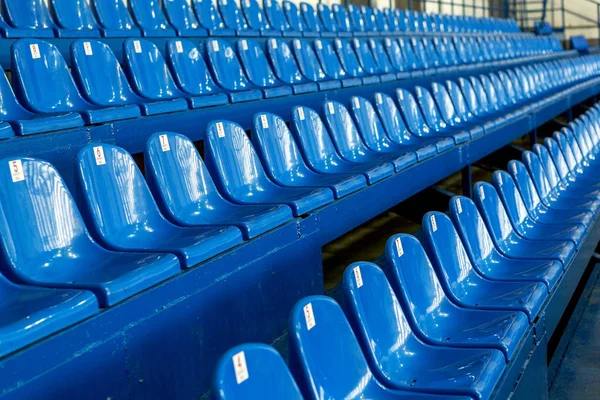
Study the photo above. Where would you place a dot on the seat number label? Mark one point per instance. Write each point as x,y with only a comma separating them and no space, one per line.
331,109
319,44
220,130
240,367
274,43
433,223
215,46
35,51
244,45
99,155
481,193
264,120
301,113
164,143
399,248
358,277
378,98
356,103
309,317
298,44
179,46
137,46
87,47
16,170
500,179
458,206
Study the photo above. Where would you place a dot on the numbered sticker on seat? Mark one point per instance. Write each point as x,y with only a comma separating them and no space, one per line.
87,48
458,206
358,277
399,248
240,367
164,143
433,223
264,121
137,46
481,193
215,46
16,170
99,155
309,317
301,113
220,130
35,51
179,46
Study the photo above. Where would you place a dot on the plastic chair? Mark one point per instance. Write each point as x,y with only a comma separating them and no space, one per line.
242,179
331,64
311,22
310,67
257,19
148,15
450,115
383,61
294,19
368,62
115,19
234,19
278,20
75,17
342,18
28,18
328,21
181,17
210,19
286,69
350,63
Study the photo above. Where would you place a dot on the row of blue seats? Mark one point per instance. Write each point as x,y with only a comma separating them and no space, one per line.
51,96
153,18
449,314
143,231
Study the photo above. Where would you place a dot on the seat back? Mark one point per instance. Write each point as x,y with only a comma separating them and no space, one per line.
42,79
391,119
511,199
293,17
444,103
27,14
482,95
186,62
548,164
309,16
181,15
525,185
421,54
255,63
368,17
232,15
365,56
114,15
76,15
369,124
348,58
325,356
493,212
327,18
411,113
226,66
495,98
40,223
435,59
148,71
99,74
10,109
343,131
429,109
117,198
458,100
470,96
149,16
341,17
410,57
396,58
283,62
329,59
356,19
308,61
252,371
275,15
208,15
177,176
567,151
380,20
536,171
255,16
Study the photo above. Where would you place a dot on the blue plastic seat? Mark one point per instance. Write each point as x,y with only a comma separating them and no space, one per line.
285,67
454,109
350,63
568,164
278,20
397,356
284,162
125,216
310,67
257,20
29,18
181,17
187,195
311,22
228,72
320,153
396,130
464,284
326,358
294,19
380,22
150,77
435,317
331,64
368,62
115,19
342,19
357,22
234,18
383,62
507,240
148,15
349,143
42,79
399,60
259,71
253,371
210,19
242,179
328,22
75,16
186,62
45,241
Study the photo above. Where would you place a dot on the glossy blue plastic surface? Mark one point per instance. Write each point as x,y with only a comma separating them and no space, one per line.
209,18
125,216
341,17
327,19
187,195
231,157
29,15
434,316
397,356
331,64
76,15
115,19
368,62
181,17
257,19
148,15
434,118
259,71
309,17
294,19
277,18
43,82
383,60
350,63
310,65
45,242
234,18
450,115
227,71
356,20
285,67
267,377
327,360
284,162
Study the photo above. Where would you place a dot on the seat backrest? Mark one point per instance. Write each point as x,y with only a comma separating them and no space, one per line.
232,15
230,155
252,371
208,15
348,58
444,103
181,15
255,63
225,65
309,16
40,223
552,173
149,16
395,56
325,370
525,184
368,124
470,96
186,62
113,14
410,57
255,16
567,151
283,61
148,71
391,119
536,171
390,18
77,15
458,100
341,17
372,56
99,74
493,212
511,198
293,17
495,96
27,14
369,19
275,15
177,176
10,109
327,18
481,93
411,112
429,109
356,18
42,79
308,61
381,21
117,198
329,59
343,130
421,54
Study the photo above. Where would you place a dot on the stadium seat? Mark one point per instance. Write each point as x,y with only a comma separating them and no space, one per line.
252,371
115,19
228,73
310,66
331,64
383,61
357,23
231,157
28,18
125,217
172,163
257,19
258,70
186,62
278,20
285,67
342,19
311,22
294,19
35,64
464,284
210,18
325,370
451,115
46,243
320,153
181,17
328,21
417,67
234,19
566,162
399,60
284,162
398,358
148,15
75,16
368,62
350,64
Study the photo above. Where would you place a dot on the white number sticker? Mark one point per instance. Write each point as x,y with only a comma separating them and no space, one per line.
224,2
244,45
358,277
179,46
500,179
215,46
356,103
87,48
338,43
458,206
309,317
301,113
99,155
137,46
481,193
319,44
35,51
240,367
274,43
220,130
433,223
16,170
388,42
298,44
399,248
164,143
378,98
356,43
264,120
331,109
